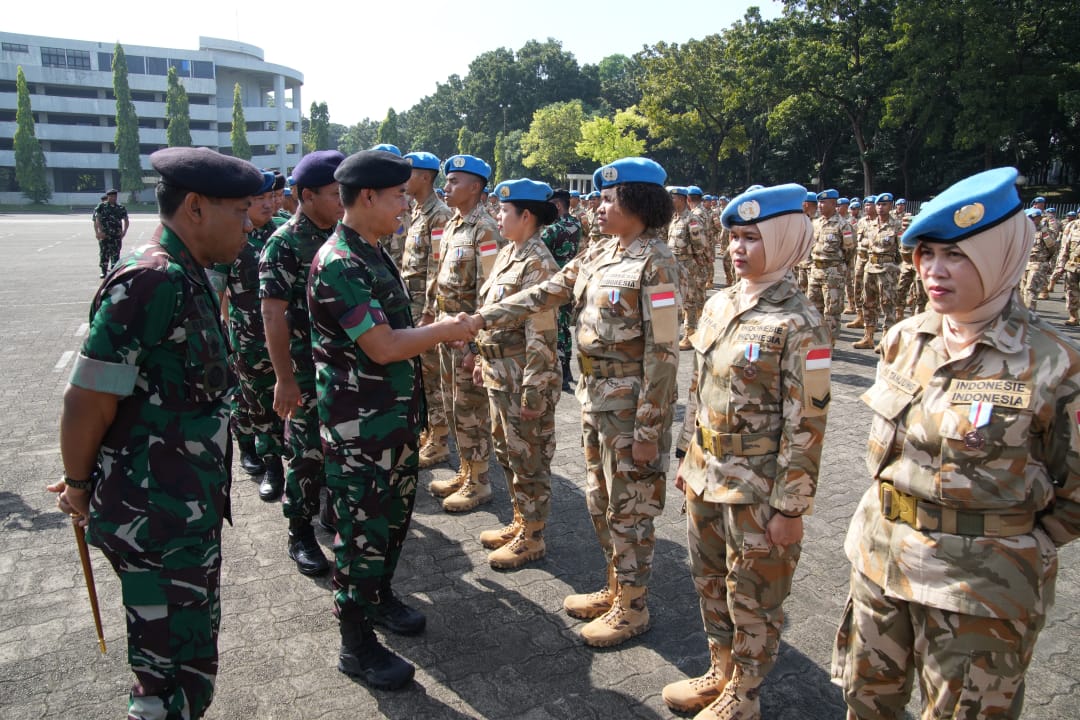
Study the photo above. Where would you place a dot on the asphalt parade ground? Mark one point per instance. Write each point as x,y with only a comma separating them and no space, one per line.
497,644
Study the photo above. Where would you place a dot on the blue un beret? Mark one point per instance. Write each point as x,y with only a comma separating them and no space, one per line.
754,206
1033,212
1071,213
723,198
1039,199
829,194
290,181
811,197
374,169
967,208
884,197
268,182
1052,211
694,191
843,201
575,194
523,189
870,199
387,147
424,161
316,169
287,192
469,164
678,190
901,201
207,172
855,204
629,170
593,195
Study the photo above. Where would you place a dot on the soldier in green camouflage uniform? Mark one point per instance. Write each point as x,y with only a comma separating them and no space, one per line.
1068,266
283,276
751,472
147,406
110,226
627,335
563,241
973,451
881,272
1042,253
371,408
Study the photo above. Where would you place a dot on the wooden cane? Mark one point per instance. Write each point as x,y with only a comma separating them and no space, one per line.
88,575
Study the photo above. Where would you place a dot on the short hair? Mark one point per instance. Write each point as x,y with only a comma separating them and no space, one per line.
561,200
348,194
169,198
544,212
651,203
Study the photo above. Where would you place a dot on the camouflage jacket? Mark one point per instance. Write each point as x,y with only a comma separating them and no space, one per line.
283,275
563,238
394,243
882,244
628,303
529,365
686,237
833,239
704,218
364,407
470,244
1019,390
1044,247
1069,252
863,230
420,260
111,218
764,376
156,341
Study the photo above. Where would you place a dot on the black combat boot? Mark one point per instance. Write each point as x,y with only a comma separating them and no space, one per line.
249,459
394,615
567,377
304,548
363,657
273,481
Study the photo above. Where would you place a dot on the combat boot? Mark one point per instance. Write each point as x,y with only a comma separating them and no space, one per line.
394,615
857,323
527,545
273,480
627,618
738,701
443,488
494,539
685,343
304,548
249,459
362,656
435,449
586,606
1073,320
693,694
867,341
476,490
567,377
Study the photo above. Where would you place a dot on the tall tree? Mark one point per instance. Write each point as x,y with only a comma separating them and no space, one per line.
508,156
127,127
605,140
317,136
388,130
177,113
618,82
551,141
434,121
359,137
238,135
29,158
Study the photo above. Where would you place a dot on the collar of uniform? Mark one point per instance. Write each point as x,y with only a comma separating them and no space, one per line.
355,240
1008,332
640,245
428,204
526,249
475,214
179,252
780,291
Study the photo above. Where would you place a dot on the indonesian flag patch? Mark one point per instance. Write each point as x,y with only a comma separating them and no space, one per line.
819,359
489,248
662,299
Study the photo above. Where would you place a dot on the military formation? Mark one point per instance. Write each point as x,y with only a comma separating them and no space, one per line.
352,324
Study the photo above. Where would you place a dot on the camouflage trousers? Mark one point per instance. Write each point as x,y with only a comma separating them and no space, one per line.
1072,291
524,448
304,473
172,600
108,252
565,338
689,426
825,288
373,503
855,284
729,269
802,275
623,499
253,403
969,667
691,290
909,289
433,388
466,404
741,580
1036,279
879,296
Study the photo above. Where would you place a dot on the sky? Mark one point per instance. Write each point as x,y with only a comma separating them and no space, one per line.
362,58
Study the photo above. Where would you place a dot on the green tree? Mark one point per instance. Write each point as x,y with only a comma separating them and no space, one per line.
127,127
177,113
475,143
551,140
29,158
508,163
388,130
238,135
605,140
317,136
359,137
618,82
433,123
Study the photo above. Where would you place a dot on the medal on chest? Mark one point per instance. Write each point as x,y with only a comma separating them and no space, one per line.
613,297
752,353
978,415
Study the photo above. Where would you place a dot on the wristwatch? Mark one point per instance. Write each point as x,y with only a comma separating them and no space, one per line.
474,348
85,485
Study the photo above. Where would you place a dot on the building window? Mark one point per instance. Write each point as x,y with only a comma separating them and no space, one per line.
183,67
78,59
202,69
137,65
143,96
53,57
104,62
15,47
157,66
195,124
195,99
78,180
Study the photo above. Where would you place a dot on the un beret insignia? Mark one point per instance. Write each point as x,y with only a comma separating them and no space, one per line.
504,191
610,174
409,160
459,161
968,215
749,210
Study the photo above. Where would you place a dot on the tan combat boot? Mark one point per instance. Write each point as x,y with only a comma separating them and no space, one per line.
857,323
1073,320
527,545
476,490
693,694
627,618
685,344
443,488
435,448
738,701
586,606
492,539
867,341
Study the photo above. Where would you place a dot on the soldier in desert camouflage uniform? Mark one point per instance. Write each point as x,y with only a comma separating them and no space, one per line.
862,239
519,367
145,429
1068,266
1042,254
881,272
688,242
974,455
833,240
751,472
706,266
627,333
909,287
563,239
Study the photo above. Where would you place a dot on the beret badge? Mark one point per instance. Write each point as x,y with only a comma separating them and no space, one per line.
749,210
459,161
968,215
504,191
610,174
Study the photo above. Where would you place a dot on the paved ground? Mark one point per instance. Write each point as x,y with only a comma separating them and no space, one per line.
497,644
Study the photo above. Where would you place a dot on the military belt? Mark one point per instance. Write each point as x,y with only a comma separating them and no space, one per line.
908,257
607,368
924,515
876,258
862,253
491,351
819,264
745,444
448,305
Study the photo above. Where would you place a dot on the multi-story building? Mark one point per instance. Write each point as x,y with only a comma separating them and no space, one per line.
71,96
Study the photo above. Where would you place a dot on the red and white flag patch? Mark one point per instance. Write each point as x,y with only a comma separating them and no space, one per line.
662,299
489,248
819,359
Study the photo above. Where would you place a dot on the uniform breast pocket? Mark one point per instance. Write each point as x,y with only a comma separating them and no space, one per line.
985,467
617,314
888,404
205,369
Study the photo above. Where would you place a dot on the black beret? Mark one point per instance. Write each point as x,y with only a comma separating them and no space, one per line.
207,172
111,191
561,194
316,169
279,181
373,169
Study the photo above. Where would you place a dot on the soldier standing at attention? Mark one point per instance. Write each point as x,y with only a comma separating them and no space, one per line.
909,289
288,199
751,472
1068,266
627,337
110,226
881,273
519,367
144,432
973,452
419,264
394,242
688,242
1042,254
706,266
802,270
862,245
283,277
367,362
471,241
723,240
833,240
563,240
579,212
849,211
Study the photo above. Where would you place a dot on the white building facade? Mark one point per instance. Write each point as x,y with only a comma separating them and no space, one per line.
71,96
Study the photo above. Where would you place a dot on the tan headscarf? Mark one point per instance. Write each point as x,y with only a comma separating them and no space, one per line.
999,255
786,240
